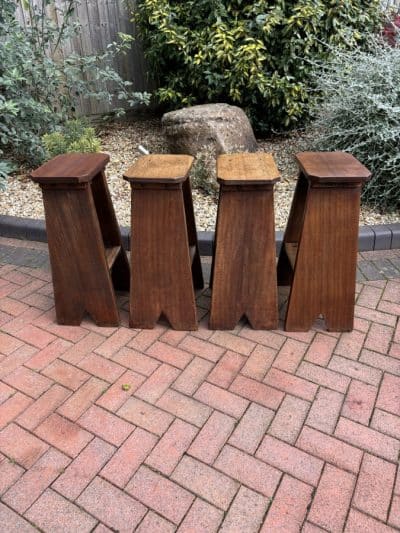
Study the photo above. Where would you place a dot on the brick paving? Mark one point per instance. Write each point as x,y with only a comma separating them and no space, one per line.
118,429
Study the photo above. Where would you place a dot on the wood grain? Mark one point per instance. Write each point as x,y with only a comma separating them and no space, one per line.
165,259
332,167
319,253
243,270
70,168
84,239
247,169
157,168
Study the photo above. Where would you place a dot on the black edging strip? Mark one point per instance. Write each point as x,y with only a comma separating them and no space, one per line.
378,237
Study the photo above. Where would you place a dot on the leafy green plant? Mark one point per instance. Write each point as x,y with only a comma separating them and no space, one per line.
252,53
6,167
360,113
73,136
39,86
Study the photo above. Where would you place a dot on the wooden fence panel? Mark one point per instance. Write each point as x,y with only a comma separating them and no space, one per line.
391,4
101,21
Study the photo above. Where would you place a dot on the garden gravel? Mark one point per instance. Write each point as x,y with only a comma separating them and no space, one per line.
121,140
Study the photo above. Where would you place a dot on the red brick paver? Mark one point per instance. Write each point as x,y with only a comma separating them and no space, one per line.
205,481
83,469
171,447
118,429
332,499
325,410
375,486
289,508
246,512
52,512
202,518
164,496
31,485
63,434
129,457
115,508
212,437
20,446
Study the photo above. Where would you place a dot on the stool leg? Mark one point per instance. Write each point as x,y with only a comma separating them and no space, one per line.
70,308
244,273
325,270
161,272
110,230
197,272
79,268
215,241
293,229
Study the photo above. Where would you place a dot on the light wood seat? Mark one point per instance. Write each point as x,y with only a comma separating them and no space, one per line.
247,169
160,168
165,258
87,258
244,261
319,253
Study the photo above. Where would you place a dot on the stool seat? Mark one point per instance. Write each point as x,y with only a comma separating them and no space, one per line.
70,168
160,168
332,167
247,169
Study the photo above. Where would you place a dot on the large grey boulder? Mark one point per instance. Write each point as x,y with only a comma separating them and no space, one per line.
213,128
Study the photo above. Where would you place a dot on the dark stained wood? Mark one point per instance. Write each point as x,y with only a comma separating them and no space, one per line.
334,167
320,242
102,200
165,261
112,254
197,272
110,232
291,251
70,168
84,239
244,263
192,253
293,229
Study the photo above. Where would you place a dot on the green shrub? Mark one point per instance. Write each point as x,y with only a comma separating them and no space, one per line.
5,170
360,113
74,136
39,86
252,53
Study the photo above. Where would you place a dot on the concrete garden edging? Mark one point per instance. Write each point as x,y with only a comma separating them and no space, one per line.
370,238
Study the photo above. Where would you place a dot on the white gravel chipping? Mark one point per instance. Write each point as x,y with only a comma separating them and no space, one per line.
121,140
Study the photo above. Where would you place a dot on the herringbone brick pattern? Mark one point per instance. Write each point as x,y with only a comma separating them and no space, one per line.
106,429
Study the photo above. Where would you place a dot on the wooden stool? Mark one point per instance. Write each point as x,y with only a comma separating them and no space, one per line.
319,252
244,263
165,259
85,247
